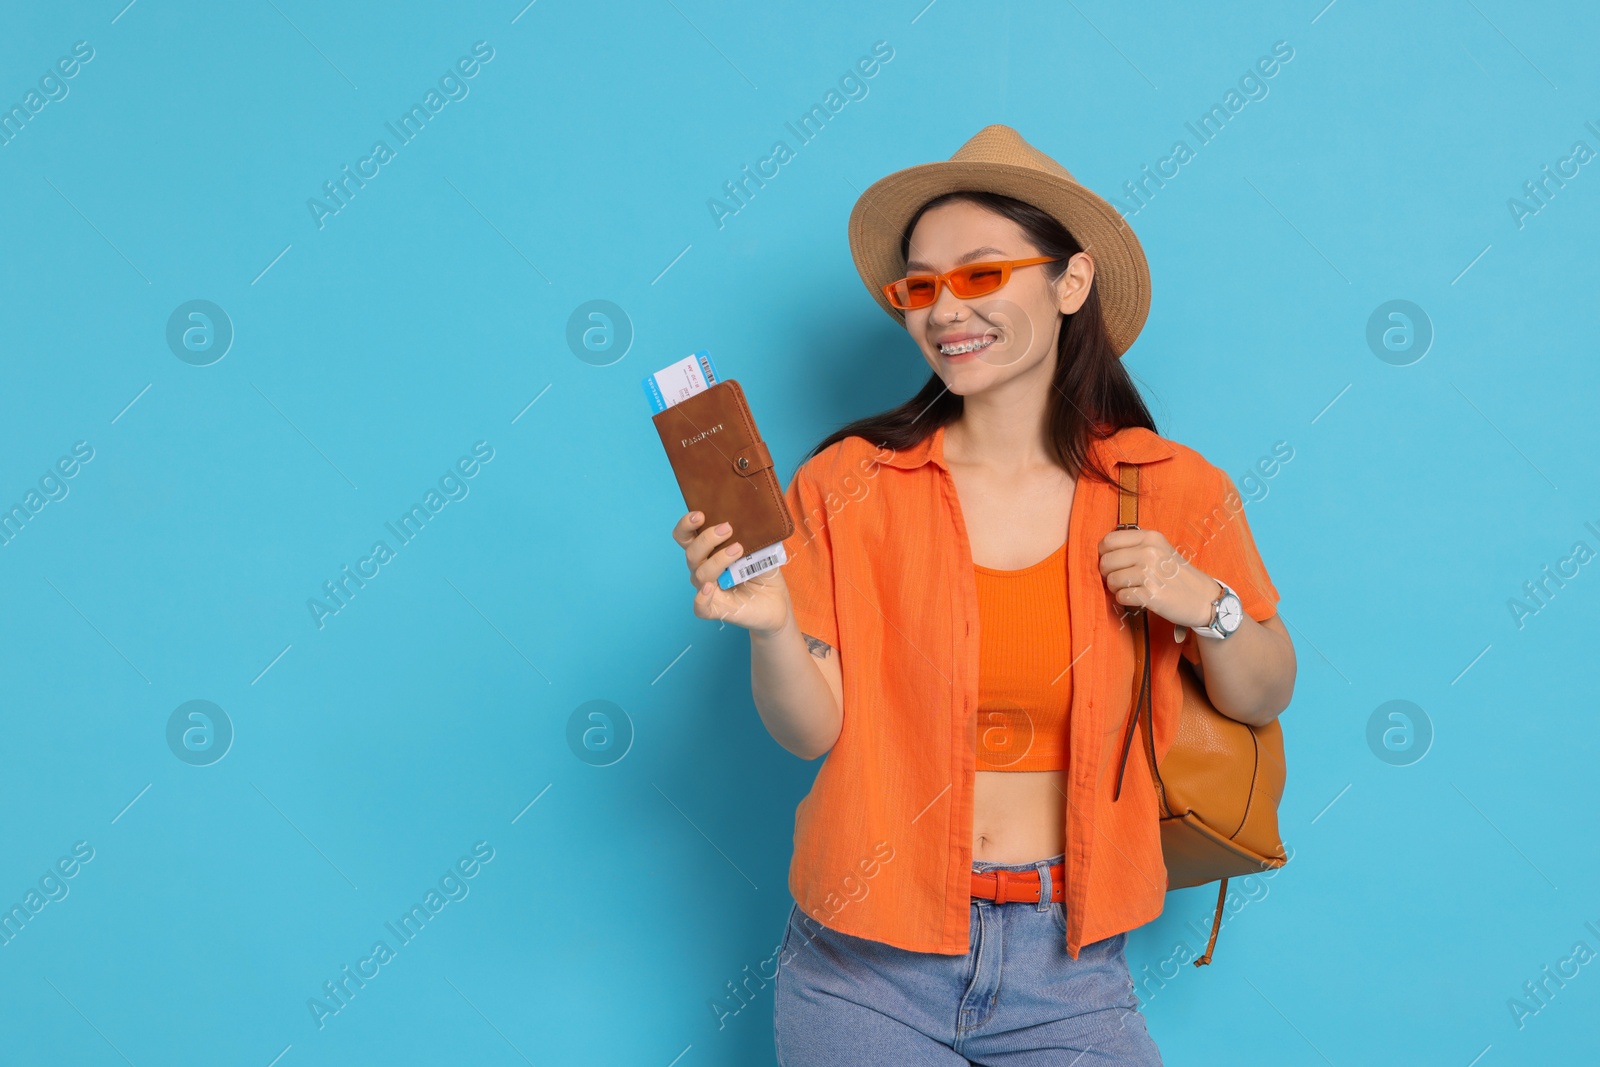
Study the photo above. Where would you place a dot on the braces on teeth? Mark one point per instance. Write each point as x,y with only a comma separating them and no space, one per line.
967,346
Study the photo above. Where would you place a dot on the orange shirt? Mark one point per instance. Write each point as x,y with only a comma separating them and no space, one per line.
880,567
1024,650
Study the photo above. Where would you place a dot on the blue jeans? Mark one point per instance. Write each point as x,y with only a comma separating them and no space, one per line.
1015,999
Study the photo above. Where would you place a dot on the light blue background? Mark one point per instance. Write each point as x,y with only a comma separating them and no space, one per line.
372,753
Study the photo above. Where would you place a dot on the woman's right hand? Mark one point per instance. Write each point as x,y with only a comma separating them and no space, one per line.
759,604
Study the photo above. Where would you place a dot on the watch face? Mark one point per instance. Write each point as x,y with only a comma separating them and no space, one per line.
1230,613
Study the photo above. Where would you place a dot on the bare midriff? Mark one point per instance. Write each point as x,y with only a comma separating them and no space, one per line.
1019,816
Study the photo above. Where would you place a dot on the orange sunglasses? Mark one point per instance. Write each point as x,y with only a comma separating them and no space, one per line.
967,281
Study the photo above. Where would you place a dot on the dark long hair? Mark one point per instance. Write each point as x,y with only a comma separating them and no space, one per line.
1090,390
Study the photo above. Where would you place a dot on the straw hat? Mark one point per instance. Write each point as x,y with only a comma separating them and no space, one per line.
998,160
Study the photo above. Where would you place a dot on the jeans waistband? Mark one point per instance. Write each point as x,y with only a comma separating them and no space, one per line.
989,865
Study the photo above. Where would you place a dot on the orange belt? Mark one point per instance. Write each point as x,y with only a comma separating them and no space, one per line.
1005,886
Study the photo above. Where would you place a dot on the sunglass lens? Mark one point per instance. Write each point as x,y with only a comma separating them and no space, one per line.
978,279
914,292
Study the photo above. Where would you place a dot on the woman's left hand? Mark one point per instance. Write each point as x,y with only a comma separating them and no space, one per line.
1142,569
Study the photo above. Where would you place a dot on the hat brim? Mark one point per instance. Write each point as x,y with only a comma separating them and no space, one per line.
1121,271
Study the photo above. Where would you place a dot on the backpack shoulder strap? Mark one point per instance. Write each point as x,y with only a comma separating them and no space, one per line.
1128,517
1128,495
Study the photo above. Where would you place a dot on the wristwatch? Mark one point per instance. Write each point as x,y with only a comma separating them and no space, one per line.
1227,614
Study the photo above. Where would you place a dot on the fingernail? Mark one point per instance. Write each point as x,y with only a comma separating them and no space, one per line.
695,516
735,548
724,528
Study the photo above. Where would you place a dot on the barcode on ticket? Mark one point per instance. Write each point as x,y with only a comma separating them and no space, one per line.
755,563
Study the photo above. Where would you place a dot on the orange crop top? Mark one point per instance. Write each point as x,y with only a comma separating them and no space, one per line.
1024,649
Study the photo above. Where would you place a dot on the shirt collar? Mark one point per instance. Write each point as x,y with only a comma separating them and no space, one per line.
1131,444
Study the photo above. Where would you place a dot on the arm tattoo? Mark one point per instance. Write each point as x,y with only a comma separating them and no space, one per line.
819,649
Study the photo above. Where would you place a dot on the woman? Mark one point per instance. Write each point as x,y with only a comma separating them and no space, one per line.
965,870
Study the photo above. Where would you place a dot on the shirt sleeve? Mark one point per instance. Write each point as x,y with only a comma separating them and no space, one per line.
1225,550
809,570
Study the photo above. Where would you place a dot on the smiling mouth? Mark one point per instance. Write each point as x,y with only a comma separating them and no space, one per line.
975,345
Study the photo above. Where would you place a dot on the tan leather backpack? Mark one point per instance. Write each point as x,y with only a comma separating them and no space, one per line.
1219,784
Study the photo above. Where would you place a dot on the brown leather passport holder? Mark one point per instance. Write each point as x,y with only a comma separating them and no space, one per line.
724,468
